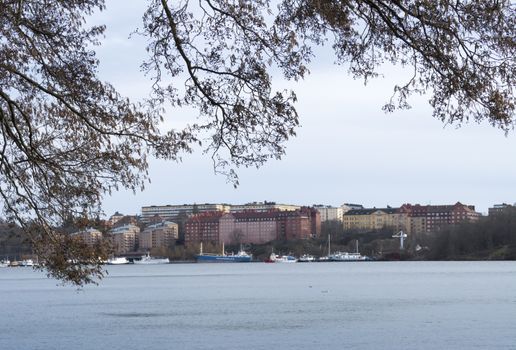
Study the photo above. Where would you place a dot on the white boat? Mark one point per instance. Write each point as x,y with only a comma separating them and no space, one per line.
285,259
27,262
5,263
306,258
117,261
345,256
148,260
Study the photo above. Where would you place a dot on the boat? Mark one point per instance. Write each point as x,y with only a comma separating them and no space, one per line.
5,263
345,256
117,261
286,259
241,256
27,263
149,260
306,258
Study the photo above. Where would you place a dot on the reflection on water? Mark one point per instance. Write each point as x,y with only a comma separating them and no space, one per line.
409,305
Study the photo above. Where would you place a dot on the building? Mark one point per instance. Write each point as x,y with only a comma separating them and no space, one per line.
252,226
90,235
430,218
114,219
350,206
374,219
263,207
125,238
160,235
409,218
248,227
329,213
503,208
203,227
174,212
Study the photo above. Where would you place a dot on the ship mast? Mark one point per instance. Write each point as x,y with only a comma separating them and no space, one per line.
329,244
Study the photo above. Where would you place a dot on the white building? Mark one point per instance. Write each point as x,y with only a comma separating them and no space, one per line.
329,213
263,207
173,212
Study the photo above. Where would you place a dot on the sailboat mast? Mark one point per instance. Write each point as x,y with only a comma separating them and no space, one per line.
223,253
329,245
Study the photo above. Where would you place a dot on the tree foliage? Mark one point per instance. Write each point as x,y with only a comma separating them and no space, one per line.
67,138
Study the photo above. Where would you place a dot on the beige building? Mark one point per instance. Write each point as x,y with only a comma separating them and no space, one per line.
125,238
89,235
375,219
158,235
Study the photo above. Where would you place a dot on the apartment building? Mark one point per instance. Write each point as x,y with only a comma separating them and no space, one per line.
374,219
252,226
90,235
263,207
329,213
158,235
125,238
173,212
410,218
503,208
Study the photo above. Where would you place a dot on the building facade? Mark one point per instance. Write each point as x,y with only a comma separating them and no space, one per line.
503,208
252,226
203,227
263,207
329,213
412,219
374,219
160,235
90,235
125,238
435,217
173,212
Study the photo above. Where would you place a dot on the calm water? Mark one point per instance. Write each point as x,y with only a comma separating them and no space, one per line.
398,305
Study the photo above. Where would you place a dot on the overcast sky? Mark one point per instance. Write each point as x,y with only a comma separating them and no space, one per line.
347,149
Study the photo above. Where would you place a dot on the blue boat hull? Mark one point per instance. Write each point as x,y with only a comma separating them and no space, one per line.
222,258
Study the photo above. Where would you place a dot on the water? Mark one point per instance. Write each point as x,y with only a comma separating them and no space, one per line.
397,305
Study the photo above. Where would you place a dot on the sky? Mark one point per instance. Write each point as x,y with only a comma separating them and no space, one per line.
347,149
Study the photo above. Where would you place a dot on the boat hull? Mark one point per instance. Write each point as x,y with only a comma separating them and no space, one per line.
222,259
151,261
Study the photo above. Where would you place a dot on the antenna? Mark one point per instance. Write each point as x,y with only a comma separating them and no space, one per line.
401,235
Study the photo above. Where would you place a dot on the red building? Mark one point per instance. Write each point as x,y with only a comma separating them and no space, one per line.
253,226
203,227
437,216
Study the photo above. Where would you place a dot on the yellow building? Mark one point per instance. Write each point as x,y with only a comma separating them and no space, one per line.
375,219
125,238
90,235
159,235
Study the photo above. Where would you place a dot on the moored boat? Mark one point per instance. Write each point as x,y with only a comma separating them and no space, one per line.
149,260
117,261
345,256
241,256
5,263
27,263
286,259
306,258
